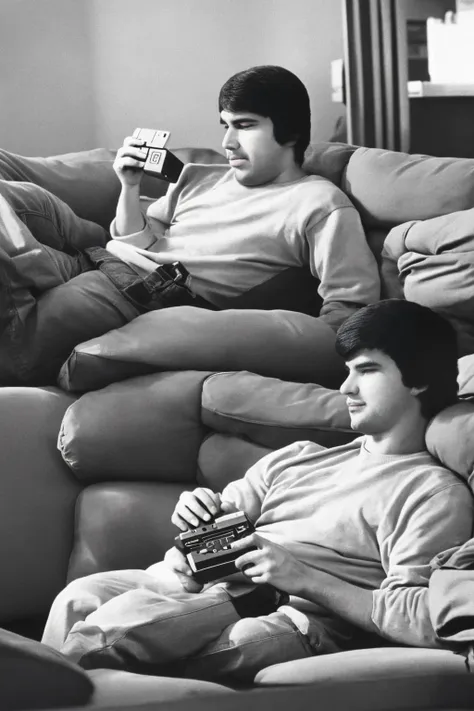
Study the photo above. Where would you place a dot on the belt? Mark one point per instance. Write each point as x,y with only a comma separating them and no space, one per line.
164,287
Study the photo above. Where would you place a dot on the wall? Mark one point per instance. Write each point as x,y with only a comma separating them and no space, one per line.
86,72
46,96
162,64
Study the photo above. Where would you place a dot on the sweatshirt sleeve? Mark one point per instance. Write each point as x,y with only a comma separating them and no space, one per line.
248,493
344,264
158,214
400,607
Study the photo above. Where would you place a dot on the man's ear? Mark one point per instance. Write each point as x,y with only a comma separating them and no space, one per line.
292,141
418,391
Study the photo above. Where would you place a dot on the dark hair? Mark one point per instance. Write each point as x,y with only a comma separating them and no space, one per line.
276,93
420,341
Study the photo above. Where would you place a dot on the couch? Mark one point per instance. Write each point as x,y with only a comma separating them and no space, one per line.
91,471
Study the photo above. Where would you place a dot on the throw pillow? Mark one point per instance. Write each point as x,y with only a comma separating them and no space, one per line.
282,344
273,413
450,434
35,676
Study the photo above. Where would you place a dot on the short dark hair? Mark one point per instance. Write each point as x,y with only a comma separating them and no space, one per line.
276,93
422,343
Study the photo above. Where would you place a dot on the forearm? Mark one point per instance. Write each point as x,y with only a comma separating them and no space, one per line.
351,603
400,614
129,218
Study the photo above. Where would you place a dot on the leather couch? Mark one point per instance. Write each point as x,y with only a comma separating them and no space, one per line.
89,480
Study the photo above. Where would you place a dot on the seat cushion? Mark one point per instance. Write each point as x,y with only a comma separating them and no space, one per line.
33,675
380,663
117,688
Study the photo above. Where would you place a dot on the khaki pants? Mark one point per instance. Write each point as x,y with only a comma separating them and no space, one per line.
143,620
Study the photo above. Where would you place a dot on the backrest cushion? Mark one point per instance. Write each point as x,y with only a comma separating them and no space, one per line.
329,160
86,180
389,188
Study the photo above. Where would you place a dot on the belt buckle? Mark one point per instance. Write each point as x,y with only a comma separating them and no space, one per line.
176,272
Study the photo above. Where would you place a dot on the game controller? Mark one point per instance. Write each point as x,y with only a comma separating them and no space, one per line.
207,548
159,162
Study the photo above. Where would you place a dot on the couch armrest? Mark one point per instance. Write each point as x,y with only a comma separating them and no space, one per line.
37,501
142,429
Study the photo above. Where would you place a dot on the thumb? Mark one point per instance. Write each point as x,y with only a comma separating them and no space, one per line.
228,507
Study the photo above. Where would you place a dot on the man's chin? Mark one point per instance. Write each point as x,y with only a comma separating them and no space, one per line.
241,176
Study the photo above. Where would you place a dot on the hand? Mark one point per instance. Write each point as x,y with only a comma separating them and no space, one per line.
199,506
270,563
176,561
129,161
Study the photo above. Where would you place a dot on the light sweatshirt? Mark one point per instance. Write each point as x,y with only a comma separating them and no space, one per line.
373,520
232,238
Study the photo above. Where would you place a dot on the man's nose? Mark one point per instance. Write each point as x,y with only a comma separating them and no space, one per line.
349,386
230,141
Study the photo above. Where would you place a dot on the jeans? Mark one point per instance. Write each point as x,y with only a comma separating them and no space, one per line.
144,621
50,298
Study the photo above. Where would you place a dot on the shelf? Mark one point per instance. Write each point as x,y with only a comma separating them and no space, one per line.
420,89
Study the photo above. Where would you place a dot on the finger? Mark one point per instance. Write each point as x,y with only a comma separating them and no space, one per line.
179,521
175,559
210,500
228,507
252,540
132,141
248,560
129,164
195,502
131,152
191,585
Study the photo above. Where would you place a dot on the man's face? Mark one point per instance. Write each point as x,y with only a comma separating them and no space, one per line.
376,397
252,150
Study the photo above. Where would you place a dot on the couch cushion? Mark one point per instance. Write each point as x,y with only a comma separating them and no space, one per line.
450,438
434,260
276,343
224,458
136,429
35,676
117,688
450,434
273,412
377,664
388,187
86,180
328,159
121,525
37,501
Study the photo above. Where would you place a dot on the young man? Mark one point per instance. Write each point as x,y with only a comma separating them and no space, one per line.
247,232
348,533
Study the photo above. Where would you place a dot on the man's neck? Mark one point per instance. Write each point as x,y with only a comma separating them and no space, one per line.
404,439
291,174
